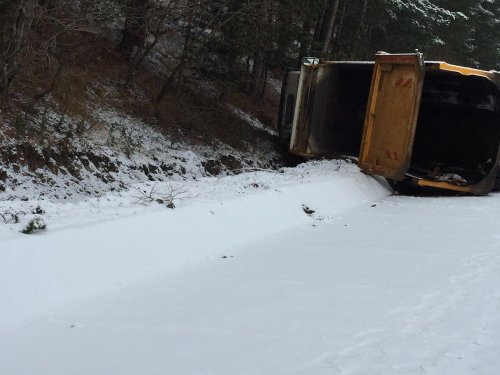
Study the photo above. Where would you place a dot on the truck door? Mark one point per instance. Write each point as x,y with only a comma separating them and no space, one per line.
392,114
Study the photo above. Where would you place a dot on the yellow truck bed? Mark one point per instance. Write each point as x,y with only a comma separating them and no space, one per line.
431,123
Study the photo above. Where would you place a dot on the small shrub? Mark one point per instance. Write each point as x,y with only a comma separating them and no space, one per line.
38,210
35,225
80,128
164,198
9,217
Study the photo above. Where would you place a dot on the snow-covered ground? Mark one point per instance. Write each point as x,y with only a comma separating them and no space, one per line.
68,158
314,270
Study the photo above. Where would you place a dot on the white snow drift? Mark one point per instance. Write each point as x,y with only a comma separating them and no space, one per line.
316,270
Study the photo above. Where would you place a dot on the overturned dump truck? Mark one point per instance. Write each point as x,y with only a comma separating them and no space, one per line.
428,124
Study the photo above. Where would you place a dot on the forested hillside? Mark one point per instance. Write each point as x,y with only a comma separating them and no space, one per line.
236,42
201,70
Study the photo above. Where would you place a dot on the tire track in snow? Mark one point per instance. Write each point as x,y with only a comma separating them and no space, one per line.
432,317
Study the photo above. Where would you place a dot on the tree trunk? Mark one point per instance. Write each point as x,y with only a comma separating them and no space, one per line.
176,74
319,23
264,82
305,47
15,42
324,37
138,60
134,32
362,30
169,83
258,77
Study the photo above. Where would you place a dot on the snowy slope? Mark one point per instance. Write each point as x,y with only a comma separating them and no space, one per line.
68,158
243,278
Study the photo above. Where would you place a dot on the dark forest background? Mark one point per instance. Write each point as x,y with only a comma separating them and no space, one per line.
231,44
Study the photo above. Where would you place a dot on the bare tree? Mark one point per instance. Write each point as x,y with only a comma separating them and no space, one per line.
155,19
135,30
15,32
325,34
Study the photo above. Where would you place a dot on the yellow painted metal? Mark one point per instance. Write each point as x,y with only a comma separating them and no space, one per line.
445,185
391,116
465,70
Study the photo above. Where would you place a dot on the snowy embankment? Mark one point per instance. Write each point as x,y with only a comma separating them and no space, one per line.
71,158
103,244
244,278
